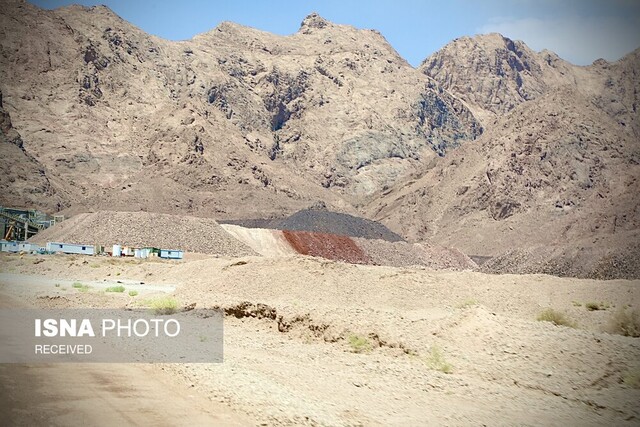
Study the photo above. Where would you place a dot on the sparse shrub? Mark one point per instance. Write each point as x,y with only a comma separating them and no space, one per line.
163,305
359,344
625,322
94,265
57,285
576,303
437,362
468,303
80,287
632,378
118,288
133,293
555,317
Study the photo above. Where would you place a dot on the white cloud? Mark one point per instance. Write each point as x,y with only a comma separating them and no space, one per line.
580,40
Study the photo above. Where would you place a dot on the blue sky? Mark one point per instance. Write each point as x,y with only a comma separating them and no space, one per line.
578,30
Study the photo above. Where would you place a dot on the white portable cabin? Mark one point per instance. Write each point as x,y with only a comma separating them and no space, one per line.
171,254
8,246
28,247
142,253
70,248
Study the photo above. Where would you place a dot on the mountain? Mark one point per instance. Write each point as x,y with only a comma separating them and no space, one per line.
493,74
557,164
235,122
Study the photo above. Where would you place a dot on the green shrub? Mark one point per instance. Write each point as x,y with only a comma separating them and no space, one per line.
118,288
163,305
595,306
80,287
133,293
555,317
359,344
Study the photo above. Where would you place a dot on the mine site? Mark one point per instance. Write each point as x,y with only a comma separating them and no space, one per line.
357,238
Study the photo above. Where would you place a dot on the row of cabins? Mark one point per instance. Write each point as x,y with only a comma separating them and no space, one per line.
72,248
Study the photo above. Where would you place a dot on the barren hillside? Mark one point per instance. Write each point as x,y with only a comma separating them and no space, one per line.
135,122
556,166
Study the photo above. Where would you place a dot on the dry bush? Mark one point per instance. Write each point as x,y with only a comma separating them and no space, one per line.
632,378
555,317
437,362
625,322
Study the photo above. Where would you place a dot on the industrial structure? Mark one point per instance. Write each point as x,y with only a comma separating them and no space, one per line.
18,225
21,224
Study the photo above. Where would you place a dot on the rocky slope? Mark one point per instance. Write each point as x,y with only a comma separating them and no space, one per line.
235,114
556,171
22,178
494,74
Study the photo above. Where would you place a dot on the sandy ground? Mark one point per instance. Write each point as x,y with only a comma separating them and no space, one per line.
317,342
102,394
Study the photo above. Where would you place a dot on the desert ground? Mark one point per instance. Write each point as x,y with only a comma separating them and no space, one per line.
310,341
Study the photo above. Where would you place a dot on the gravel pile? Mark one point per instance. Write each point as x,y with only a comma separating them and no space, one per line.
402,254
139,229
582,262
323,221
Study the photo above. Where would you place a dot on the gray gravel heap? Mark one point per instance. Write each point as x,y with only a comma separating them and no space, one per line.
324,221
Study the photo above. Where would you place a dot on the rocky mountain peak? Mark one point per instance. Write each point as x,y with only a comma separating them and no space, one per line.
492,73
313,21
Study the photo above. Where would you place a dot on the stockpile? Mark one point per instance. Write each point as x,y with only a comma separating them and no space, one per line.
141,229
329,246
403,254
588,262
270,243
323,221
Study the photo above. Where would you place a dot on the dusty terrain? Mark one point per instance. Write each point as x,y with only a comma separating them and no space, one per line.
318,342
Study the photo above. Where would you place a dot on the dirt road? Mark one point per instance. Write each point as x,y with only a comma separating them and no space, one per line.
101,395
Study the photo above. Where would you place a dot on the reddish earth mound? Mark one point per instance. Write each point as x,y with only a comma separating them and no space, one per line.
330,246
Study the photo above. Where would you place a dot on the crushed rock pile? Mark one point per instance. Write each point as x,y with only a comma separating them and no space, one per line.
602,263
323,221
139,229
403,254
